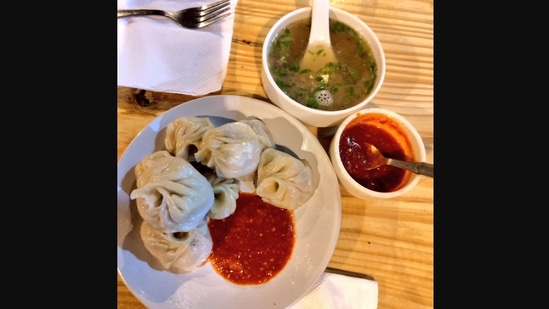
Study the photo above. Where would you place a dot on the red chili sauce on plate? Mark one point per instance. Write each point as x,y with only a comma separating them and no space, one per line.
252,245
355,156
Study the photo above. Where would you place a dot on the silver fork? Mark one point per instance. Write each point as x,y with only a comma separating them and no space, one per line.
193,18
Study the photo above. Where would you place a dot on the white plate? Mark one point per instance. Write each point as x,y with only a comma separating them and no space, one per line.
317,221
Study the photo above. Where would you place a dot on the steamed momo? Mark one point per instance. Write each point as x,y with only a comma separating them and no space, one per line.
263,133
171,194
183,135
232,150
226,191
283,180
179,252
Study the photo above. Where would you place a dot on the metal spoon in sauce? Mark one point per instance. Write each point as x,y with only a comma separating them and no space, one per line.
319,50
377,159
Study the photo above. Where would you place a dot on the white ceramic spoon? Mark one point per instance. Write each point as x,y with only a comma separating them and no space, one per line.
319,50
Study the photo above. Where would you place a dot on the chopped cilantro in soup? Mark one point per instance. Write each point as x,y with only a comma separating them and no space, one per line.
337,85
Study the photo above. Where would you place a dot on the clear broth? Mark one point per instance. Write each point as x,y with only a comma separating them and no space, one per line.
347,82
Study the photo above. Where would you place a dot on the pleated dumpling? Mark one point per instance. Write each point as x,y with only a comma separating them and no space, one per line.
260,128
283,180
183,135
232,150
171,194
226,191
179,252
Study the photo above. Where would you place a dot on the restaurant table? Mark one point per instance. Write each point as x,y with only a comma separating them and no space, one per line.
388,239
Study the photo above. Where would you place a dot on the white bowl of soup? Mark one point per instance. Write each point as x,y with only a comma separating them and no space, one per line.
326,97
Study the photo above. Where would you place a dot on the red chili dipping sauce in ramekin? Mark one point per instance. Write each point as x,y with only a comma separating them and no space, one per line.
252,245
389,137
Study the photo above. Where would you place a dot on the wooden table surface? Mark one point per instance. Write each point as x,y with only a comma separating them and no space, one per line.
391,240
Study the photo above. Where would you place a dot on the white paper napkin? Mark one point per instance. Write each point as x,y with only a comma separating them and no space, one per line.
157,54
334,291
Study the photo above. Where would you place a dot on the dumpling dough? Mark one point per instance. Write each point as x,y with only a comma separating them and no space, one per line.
171,194
185,133
263,134
179,252
226,191
232,149
283,180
